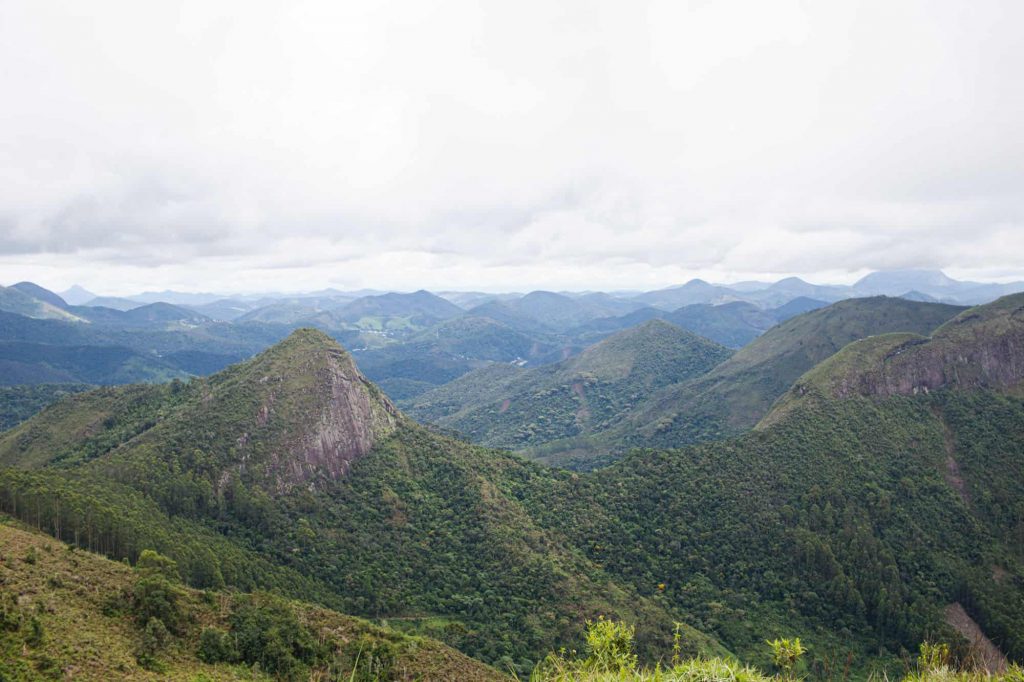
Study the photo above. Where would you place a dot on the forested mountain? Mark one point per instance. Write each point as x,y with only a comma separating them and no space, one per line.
578,396
852,518
260,476
732,397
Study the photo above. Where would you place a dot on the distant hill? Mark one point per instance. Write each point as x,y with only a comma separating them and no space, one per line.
112,302
77,295
39,293
575,397
694,291
16,300
41,363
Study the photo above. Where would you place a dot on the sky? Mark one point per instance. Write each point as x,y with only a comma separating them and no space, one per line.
257,146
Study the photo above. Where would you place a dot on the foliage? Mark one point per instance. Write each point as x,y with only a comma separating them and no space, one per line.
786,653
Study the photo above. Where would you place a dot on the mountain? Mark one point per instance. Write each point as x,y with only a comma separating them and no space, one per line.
733,325
291,471
798,306
67,610
43,363
39,293
734,396
694,291
572,398
449,350
892,282
785,290
112,302
77,295
866,518
174,297
420,308
15,300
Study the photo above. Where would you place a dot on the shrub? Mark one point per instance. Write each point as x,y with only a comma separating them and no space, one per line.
786,653
610,646
216,646
155,639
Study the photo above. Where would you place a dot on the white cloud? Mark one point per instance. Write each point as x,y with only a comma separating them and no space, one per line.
255,145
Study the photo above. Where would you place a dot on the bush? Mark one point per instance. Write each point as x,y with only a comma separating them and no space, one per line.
36,633
373,659
155,639
610,646
216,646
155,597
267,631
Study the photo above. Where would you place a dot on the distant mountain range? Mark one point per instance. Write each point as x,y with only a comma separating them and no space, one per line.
410,343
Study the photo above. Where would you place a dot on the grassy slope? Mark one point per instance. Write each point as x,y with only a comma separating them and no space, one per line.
70,593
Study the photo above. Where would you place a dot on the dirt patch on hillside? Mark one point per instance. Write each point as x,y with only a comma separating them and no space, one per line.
985,654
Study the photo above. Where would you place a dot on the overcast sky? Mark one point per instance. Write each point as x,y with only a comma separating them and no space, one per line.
254,146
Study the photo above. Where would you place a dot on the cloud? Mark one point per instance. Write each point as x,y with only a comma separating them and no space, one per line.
254,145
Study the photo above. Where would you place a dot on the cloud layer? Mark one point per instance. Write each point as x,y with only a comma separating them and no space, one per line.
257,145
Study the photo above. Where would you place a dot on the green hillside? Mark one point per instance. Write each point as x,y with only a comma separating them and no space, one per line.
864,522
731,398
260,477
579,396
18,403
73,614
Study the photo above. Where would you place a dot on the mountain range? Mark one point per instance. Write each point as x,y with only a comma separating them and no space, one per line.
872,503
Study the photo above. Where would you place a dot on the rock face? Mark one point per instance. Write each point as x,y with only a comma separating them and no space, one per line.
982,348
353,417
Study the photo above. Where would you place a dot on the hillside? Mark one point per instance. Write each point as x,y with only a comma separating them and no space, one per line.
865,524
572,398
291,471
734,396
978,349
76,613
16,300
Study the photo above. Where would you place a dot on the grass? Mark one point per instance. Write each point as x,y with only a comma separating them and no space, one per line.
63,615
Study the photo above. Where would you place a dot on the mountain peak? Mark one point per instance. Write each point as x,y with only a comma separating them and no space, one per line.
981,348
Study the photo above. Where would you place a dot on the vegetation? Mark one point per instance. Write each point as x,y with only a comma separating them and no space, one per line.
608,660
76,614
18,403
854,521
573,398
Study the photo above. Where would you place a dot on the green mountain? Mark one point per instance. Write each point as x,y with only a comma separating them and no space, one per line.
862,516
68,613
42,363
576,397
262,476
448,350
731,398
15,300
